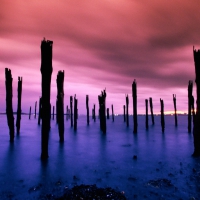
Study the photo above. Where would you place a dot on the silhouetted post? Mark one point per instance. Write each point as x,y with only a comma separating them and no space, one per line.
94,113
127,115
175,114
134,94
30,113
35,108
71,109
108,114
196,130
9,107
40,111
124,107
53,112
147,123
60,103
46,71
190,88
19,109
193,111
162,115
75,112
67,113
87,107
151,108
112,113
102,110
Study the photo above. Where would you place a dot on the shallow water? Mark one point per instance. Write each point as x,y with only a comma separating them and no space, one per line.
90,157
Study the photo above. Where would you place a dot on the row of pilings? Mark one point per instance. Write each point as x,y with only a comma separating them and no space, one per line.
45,106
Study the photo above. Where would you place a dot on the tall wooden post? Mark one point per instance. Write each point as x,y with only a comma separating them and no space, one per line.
134,94
67,113
40,111
94,113
9,107
196,130
71,109
190,88
147,123
175,113
19,109
124,108
30,113
60,104
35,108
102,111
87,107
46,71
112,113
151,109
127,115
75,112
53,112
162,115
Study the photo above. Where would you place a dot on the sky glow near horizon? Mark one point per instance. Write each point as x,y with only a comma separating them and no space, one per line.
102,44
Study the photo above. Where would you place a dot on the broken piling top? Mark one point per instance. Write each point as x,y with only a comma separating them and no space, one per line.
87,100
134,88
46,56
60,82
8,74
196,54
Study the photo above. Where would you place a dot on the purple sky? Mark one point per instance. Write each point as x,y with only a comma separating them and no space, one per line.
102,43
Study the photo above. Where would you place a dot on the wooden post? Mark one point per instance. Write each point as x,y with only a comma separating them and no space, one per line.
147,123
40,111
75,112
67,113
46,71
30,113
190,88
196,130
127,115
124,107
94,113
35,108
162,115
19,109
53,112
102,110
87,107
71,109
108,115
151,108
112,113
60,104
134,94
175,113
9,107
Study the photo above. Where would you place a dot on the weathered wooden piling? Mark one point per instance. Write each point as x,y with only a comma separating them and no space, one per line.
175,110
134,94
40,111
102,110
196,130
94,114
190,89
127,115
9,107
30,113
71,109
108,114
124,108
87,108
60,104
162,115
46,71
147,123
53,112
75,112
35,108
19,109
112,112
67,113
151,109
